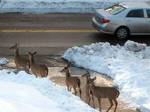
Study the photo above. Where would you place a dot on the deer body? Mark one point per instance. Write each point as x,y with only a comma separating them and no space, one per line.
37,69
72,81
102,92
87,88
105,92
20,61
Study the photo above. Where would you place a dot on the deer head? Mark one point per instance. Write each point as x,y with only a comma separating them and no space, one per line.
90,81
14,47
31,56
66,69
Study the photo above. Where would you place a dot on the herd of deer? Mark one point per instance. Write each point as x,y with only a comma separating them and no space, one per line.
38,70
72,82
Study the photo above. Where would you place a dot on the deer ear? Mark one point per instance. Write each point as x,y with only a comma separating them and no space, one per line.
69,64
93,79
83,75
86,74
16,44
34,53
29,53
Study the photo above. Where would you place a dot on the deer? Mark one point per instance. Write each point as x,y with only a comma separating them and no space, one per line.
111,93
87,78
71,81
20,61
39,70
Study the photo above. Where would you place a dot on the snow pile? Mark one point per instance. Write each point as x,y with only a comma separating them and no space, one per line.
3,61
135,47
128,65
45,6
22,92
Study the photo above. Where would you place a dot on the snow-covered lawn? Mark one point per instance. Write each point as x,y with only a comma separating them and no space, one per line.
22,92
44,6
128,65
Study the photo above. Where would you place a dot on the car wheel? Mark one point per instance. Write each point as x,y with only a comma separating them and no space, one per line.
122,33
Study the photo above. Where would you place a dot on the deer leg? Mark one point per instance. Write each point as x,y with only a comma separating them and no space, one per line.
116,104
17,69
89,99
27,70
111,104
99,101
68,88
93,101
88,96
17,66
75,92
80,91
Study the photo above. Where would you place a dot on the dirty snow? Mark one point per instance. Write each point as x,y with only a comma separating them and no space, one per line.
128,65
3,61
22,92
45,6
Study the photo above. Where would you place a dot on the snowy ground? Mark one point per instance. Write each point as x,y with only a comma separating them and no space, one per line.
22,92
3,61
128,65
45,6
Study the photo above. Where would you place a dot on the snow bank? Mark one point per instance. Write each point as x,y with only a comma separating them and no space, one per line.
22,92
45,6
3,61
128,65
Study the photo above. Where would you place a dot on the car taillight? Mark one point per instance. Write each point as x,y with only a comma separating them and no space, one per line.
104,21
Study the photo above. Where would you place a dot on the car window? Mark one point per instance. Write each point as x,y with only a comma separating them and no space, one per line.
148,13
138,13
115,9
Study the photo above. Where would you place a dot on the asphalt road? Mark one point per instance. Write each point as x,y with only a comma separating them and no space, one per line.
51,33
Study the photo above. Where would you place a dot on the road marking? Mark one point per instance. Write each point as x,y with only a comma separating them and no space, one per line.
51,31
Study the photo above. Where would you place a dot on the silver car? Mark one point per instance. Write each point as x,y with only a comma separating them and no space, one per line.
124,19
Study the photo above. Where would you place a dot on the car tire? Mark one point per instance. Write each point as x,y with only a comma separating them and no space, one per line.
122,33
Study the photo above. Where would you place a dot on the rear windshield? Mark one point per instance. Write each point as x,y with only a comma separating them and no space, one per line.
115,9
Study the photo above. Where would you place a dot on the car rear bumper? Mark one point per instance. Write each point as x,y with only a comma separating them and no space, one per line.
100,27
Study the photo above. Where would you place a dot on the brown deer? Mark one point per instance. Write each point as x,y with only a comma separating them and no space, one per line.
20,61
87,78
103,92
71,81
38,70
